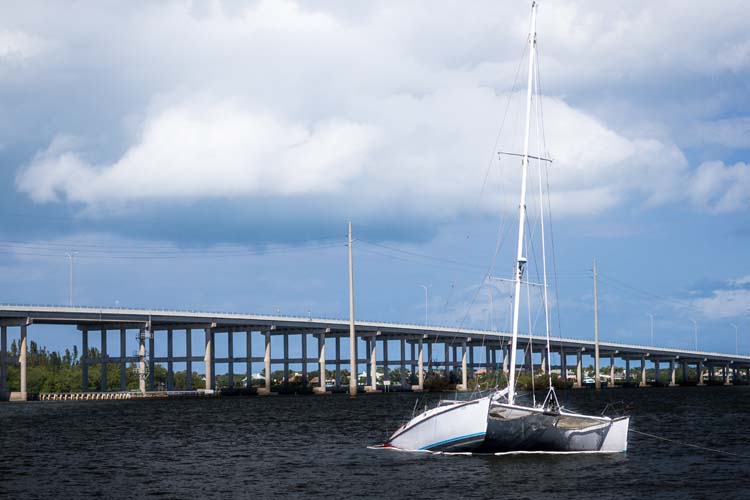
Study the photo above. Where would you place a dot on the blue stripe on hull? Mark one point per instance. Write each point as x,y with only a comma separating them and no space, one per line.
452,440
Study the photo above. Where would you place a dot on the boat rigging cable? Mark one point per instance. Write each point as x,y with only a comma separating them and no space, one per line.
501,234
502,125
488,276
690,445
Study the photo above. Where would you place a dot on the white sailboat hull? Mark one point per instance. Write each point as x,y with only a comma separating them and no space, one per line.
456,426
514,428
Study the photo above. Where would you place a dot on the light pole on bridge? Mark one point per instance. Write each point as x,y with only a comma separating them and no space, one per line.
426,288
736,338
695,331
652,328
71,256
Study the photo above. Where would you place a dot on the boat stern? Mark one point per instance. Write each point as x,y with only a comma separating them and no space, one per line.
617,436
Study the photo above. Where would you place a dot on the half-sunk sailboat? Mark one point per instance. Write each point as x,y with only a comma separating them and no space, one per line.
496,422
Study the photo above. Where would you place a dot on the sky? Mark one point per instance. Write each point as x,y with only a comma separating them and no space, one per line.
207,156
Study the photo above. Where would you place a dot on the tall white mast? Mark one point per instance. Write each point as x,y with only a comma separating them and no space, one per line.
521,260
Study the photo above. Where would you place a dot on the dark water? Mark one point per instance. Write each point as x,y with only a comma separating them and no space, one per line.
287,447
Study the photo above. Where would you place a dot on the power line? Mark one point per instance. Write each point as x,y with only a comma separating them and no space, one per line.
422,256
118,255
646,293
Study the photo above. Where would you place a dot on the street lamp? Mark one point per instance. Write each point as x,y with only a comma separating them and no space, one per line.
736,338
695,328
426,287
652,328
71,255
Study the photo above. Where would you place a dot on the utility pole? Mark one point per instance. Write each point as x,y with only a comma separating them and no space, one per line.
352,334
597,382
70,255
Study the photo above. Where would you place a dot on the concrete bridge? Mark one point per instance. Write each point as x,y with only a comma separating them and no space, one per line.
464,351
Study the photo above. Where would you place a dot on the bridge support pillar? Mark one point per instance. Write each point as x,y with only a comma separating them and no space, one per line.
368,379
579,369
321,389
386,375
208,358
506,360
673,373
429,358
249,364
454,362
189,356
22,362
726,375
338,362
403,362
627,370
699,369
643,372
141,360
123,360
413,358
657,372
373,364
104,360
684,377
303,340
3,354
84,360
563,365
170,362
286,361
266,389
471,361
611,383
151,356
230,355
446,358
464,372
543,361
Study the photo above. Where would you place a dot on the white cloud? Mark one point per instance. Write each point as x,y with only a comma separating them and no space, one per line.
423,155
352,101
17,45
724,304
730,301
720,188
207,150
